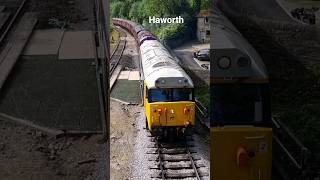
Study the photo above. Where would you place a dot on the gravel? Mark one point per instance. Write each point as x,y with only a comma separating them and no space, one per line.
140,163
26,153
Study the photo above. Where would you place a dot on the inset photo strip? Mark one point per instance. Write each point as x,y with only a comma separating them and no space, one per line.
264,90
159,89
53,95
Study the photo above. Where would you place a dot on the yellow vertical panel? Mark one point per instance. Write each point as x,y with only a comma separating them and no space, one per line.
225,142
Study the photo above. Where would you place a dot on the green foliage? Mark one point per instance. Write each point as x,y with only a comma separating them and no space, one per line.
120,9
140,10
135,10
196,6
115,9
206,4
203,95
171,31
125,9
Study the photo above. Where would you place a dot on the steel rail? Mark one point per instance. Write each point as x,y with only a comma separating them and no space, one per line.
13,19
113,67
186,151
122,45
192,162
160,161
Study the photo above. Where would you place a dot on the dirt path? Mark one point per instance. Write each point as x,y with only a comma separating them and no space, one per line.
26,154
123,132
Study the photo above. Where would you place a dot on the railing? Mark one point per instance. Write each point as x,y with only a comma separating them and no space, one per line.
201,109
290,155
202,113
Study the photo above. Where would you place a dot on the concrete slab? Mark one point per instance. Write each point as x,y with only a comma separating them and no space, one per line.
124,75
54,94
44,42
115,75
127,91
134,75
77,45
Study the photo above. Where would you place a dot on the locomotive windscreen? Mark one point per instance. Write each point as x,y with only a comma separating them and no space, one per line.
170,94
240,104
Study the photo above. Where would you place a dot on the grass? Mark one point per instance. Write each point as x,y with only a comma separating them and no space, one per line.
203,95
114,38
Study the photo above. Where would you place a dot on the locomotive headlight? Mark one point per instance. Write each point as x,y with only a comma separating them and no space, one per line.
242,62
224,62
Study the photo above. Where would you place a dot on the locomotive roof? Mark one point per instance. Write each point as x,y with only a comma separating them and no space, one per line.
227,40
160,69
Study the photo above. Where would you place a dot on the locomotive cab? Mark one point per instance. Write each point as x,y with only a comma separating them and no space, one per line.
240,117
169,109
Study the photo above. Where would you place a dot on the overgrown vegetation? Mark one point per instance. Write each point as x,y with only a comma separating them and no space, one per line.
140,10
114,38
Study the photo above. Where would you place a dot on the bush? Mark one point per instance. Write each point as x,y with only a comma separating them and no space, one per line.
140,10
172,31
115,9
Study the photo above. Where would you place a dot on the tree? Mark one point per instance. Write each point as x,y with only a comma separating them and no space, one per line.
115,9
196,6
137,12
125,9
206,4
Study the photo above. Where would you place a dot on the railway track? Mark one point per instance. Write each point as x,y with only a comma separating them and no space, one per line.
16,27
8,19
117,53
175,160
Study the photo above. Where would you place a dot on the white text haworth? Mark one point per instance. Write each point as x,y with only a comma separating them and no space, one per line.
156,20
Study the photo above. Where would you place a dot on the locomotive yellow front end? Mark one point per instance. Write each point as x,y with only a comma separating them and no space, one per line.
169,108
163,112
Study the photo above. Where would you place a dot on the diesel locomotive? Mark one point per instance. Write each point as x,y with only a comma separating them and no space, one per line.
241,137
168,92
